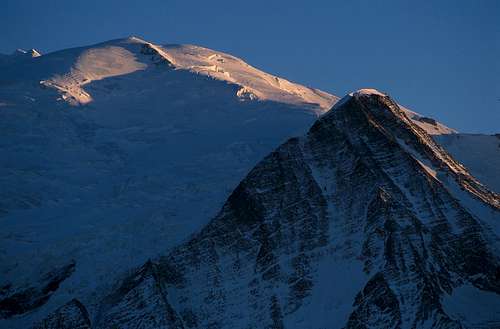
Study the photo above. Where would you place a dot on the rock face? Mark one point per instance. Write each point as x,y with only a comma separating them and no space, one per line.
365,222
72,315
18,300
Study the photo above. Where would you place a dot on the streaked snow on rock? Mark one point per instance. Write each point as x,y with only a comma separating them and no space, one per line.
114,153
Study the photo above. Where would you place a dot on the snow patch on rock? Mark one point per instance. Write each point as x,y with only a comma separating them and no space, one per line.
367,91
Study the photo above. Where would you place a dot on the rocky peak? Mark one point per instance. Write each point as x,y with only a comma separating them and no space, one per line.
370,110
356,201
27,53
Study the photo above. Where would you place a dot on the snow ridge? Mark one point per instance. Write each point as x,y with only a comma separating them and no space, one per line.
123,57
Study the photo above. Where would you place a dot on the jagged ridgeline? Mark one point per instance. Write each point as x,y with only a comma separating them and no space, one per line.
364,222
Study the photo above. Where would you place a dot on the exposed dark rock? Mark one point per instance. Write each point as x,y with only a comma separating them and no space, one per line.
428,120
22,300
365,185
156,57
376,306
141,301
73,315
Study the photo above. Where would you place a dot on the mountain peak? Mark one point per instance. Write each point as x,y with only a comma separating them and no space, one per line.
34,53
364,200
366,92
31,53
360,93
136,39
130,55
369,112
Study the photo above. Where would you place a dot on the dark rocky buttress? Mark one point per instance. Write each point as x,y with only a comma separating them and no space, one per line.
365,186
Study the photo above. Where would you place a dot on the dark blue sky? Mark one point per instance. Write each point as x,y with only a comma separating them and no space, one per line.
440,58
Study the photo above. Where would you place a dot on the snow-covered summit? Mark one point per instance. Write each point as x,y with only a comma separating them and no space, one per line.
123,57
73,71
431,126
366,91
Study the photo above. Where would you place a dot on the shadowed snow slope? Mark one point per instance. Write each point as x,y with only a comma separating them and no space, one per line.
69,71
